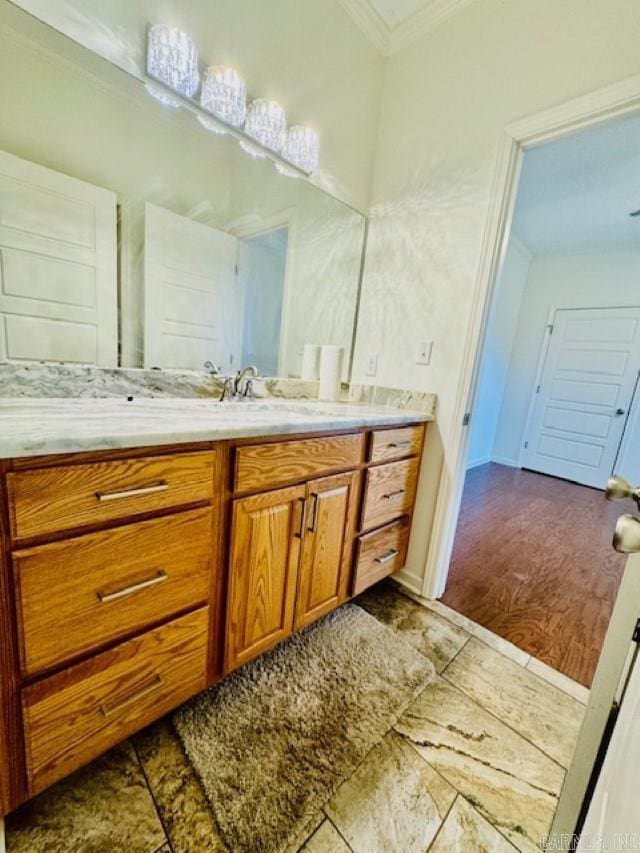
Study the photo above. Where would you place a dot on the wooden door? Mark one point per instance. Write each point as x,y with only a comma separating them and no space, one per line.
265,550
189,293
327,546
58,262
583,397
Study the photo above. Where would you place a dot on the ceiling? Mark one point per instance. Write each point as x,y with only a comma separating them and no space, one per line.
394,24
576,194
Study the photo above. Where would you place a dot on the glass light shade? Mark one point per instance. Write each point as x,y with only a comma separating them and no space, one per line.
224,95
267,124
211,126
172,58
302,148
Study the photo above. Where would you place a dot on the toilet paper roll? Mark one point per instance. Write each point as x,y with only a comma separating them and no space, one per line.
331,361
311,362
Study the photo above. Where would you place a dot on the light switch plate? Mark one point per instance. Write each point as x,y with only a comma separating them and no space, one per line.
424,352
372,363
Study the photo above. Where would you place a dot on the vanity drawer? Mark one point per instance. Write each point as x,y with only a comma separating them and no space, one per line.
47,500
380,553
388,444
266,466
389,492
77,714
79,594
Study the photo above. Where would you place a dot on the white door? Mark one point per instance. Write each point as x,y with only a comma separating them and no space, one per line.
58,267
189,293
585,391
613,814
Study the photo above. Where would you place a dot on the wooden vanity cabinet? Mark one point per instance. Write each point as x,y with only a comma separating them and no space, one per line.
291,548
131,580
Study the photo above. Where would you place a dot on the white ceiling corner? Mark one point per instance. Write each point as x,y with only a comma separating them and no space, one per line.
370,22
393,24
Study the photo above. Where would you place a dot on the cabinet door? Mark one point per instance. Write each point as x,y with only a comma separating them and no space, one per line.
265,551
327,546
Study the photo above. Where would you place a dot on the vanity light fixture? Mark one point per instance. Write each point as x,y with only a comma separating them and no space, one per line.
260,127
224,95
172,59
302,148
267,124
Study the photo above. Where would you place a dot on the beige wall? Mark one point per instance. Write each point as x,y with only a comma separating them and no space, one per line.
308,55
445,100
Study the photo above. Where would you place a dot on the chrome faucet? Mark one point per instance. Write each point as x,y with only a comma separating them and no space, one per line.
212,368
240,386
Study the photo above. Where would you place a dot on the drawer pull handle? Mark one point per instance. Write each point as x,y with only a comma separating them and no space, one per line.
385,558
112,708
399,444
135,587
302,503
314,514
162,486
392,495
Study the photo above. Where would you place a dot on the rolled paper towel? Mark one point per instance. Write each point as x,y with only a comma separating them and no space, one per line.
311,362
331,360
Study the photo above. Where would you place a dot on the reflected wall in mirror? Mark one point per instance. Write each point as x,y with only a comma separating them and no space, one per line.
133,234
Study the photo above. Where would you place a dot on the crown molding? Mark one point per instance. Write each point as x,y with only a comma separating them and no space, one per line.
370,22
423,21
390,40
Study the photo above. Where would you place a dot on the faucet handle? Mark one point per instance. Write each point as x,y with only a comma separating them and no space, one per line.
619,489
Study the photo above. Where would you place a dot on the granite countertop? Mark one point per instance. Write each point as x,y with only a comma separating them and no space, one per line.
35,427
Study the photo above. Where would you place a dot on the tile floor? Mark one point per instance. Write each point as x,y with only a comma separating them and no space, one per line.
474,764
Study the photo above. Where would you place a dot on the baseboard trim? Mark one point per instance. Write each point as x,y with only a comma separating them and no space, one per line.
409,581
476,463
502,460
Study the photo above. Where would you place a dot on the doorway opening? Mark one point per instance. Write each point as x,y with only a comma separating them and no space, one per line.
262,269
556,408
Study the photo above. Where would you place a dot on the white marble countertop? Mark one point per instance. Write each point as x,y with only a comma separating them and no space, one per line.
35,427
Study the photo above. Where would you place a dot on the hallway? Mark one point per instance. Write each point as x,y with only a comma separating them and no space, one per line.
533,562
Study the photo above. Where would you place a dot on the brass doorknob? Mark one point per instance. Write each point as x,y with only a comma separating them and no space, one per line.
619,489
626,538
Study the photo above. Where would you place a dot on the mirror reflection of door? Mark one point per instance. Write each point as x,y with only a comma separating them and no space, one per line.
58,286
190,292
262,263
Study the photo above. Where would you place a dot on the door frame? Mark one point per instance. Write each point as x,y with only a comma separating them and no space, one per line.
614,101
287,217
541,364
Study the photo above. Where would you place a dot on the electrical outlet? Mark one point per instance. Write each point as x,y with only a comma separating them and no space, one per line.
372,363
424,352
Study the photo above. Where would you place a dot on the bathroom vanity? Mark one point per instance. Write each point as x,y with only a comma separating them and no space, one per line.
137,571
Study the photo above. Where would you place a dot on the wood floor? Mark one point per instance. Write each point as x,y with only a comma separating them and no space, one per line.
533,562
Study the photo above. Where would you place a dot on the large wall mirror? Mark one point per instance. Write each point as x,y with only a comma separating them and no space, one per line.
132,234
